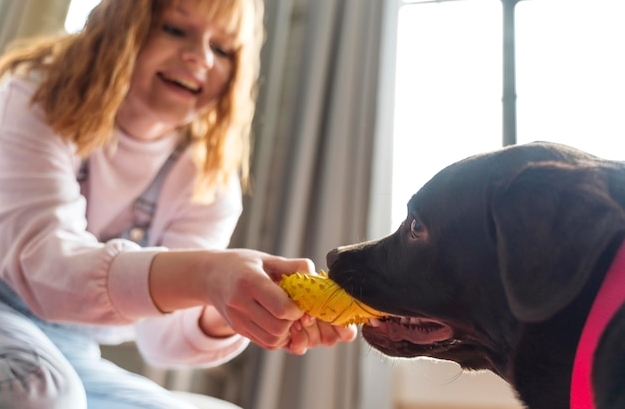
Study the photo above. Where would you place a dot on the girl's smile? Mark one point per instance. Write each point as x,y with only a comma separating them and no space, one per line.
191,85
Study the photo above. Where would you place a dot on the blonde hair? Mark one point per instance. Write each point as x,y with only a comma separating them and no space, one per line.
86,76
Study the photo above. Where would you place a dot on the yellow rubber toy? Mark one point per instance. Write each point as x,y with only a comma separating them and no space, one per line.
323,299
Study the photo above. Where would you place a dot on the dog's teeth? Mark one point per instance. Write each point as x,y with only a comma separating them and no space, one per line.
374,322
404,321
415,321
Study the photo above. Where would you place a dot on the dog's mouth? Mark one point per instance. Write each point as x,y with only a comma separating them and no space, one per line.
416,330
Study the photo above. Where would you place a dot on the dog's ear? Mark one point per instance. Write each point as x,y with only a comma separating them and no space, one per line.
553,221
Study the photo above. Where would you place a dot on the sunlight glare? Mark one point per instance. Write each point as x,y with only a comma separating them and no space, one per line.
448,92
570,80
77,14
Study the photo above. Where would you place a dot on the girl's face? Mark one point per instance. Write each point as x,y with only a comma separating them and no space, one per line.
181,71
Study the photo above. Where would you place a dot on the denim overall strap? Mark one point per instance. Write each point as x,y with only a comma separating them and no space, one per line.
144,206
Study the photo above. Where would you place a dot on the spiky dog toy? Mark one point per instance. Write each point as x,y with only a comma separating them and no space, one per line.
323,299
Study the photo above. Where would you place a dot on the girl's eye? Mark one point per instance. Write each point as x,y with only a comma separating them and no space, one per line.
172,30
221,51
415,228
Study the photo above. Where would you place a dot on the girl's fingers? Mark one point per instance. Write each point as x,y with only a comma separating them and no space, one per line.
298,344
276,266
348,333
256,332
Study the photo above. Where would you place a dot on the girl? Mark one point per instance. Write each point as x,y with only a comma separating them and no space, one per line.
122,153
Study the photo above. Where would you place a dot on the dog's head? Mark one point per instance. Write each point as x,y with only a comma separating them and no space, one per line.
489,243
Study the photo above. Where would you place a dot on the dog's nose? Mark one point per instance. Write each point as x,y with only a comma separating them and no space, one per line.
331,257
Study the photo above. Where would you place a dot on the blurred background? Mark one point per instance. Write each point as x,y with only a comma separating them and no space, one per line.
360,103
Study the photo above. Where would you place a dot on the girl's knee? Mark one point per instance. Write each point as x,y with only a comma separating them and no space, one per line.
29,380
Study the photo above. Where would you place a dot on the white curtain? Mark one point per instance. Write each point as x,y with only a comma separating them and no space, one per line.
25,18
314,153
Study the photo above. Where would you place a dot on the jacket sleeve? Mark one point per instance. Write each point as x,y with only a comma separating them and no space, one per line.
47,255
176,339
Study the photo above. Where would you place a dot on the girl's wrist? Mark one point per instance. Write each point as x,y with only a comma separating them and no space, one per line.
176,281
213,325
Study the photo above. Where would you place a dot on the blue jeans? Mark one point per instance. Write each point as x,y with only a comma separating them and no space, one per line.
50,366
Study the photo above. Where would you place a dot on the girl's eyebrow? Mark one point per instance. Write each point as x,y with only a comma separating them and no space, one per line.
186,13
181,10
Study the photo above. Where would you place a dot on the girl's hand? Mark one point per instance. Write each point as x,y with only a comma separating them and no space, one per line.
309,332
241,285
242,288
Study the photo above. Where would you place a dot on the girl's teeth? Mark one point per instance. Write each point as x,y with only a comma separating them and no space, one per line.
183,82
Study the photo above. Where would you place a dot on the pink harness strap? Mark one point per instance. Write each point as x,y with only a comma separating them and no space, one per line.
610,297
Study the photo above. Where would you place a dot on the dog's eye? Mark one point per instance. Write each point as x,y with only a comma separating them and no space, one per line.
415,228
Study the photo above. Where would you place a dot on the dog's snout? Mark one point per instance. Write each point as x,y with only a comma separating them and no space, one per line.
332,256
348,251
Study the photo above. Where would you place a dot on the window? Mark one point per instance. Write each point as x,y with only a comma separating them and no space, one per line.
571,74
448,90
448,96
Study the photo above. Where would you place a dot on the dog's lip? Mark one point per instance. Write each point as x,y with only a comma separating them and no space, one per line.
417,330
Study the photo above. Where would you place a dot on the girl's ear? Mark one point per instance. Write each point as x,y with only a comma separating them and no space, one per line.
553,222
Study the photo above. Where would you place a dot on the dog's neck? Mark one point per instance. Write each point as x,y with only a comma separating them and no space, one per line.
610,297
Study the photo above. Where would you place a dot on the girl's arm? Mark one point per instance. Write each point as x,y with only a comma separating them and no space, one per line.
47,255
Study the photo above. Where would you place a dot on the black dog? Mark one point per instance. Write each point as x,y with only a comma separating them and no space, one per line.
497,266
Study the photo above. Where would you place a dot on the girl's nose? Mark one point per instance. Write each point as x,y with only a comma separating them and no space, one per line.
200,54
